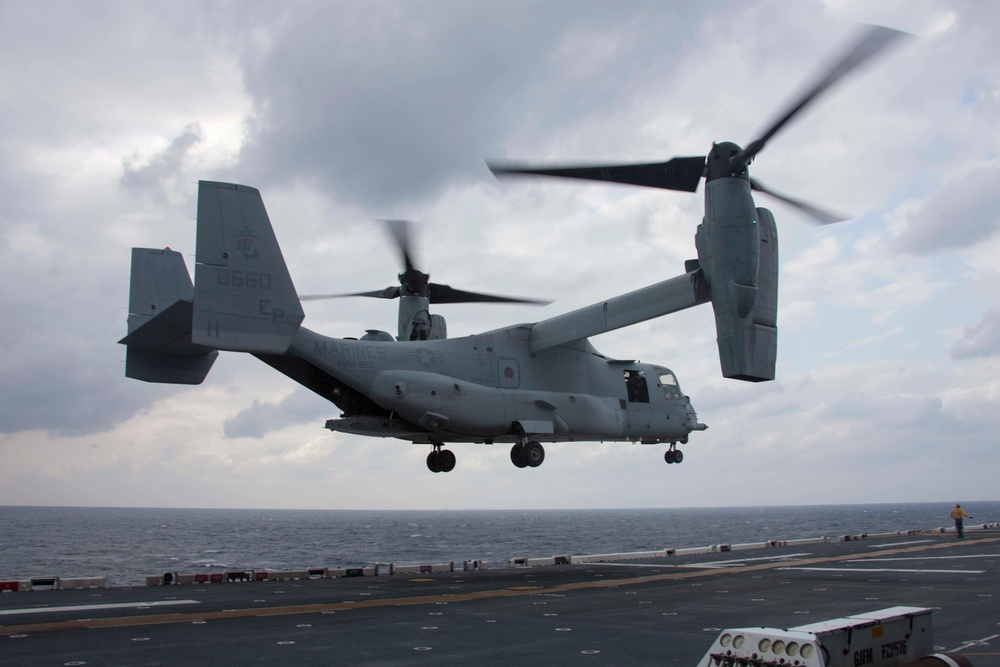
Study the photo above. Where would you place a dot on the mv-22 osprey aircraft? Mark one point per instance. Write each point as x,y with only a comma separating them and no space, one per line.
522,384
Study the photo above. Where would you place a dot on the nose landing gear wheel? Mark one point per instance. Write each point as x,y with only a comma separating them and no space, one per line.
673,456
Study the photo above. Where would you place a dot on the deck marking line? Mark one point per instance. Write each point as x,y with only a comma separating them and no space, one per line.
881,569
937,557
118,605
976,642
720,564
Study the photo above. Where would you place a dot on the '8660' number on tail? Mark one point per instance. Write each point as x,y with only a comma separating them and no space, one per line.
238,278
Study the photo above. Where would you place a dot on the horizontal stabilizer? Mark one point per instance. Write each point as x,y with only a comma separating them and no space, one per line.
151,366
168,332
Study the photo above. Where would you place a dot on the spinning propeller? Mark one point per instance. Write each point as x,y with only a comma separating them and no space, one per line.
416,283
726,159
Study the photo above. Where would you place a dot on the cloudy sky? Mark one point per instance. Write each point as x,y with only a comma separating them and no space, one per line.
345,112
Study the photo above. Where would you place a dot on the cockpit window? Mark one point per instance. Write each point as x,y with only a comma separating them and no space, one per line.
635,385
668,381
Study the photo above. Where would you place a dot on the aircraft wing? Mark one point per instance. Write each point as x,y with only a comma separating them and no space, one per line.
643,304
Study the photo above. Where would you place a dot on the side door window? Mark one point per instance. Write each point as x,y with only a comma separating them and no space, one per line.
636,386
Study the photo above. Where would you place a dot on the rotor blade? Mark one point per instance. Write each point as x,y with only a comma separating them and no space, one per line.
680,173
400,232
819,215
447,294
872,41
387,293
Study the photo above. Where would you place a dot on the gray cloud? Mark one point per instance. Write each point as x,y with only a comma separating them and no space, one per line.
85,90
386,102
163,168
62,371
981,339
960,214
63,308
260,418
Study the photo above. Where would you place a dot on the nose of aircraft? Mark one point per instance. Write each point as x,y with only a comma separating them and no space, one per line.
692,423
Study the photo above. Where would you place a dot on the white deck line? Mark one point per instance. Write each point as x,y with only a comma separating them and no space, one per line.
90,607
881,569
875,560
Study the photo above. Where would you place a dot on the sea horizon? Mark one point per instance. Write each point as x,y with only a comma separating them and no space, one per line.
125,544
949,503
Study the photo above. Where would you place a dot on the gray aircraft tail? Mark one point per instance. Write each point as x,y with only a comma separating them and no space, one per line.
244,299
159,345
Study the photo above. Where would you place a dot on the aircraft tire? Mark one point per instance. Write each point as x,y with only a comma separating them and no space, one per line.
446,460
678,456
518,456
534,454
433,462
669,456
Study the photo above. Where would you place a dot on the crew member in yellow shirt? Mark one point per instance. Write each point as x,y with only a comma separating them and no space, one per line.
958,514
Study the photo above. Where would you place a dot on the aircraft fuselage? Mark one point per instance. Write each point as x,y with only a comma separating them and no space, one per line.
485,387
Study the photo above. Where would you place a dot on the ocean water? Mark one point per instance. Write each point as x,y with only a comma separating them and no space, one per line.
125,545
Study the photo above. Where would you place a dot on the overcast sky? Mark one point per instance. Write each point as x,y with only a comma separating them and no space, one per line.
341,113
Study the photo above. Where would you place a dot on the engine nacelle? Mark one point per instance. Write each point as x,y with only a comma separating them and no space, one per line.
738,253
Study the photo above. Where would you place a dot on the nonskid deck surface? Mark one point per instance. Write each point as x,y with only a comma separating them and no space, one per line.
662,611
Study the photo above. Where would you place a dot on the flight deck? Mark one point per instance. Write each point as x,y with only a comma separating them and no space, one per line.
638,609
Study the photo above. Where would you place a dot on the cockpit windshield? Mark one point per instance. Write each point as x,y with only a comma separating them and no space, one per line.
668,382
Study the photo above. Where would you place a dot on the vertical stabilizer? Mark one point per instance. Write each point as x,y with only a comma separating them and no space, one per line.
244,299
159,346
159,278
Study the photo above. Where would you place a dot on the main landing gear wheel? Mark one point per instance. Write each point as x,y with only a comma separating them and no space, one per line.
673,456
441,460
529,454
534,453
518,456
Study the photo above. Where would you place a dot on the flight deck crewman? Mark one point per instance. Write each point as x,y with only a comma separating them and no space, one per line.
958,514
